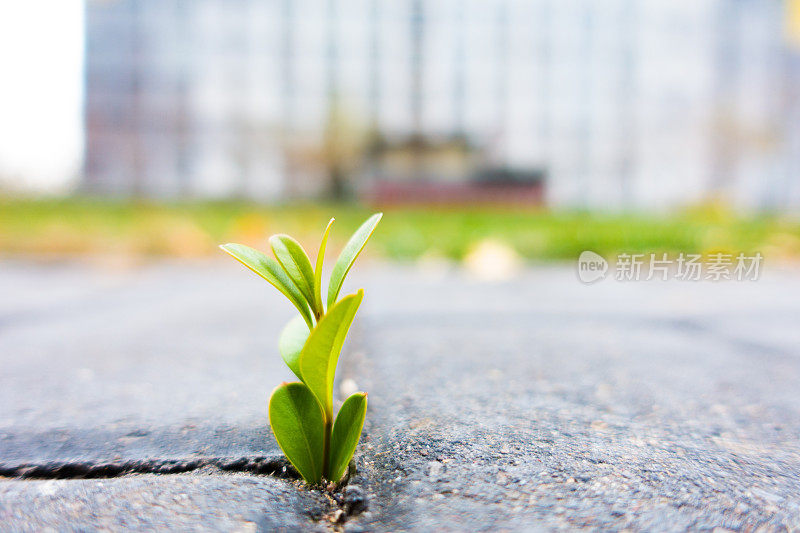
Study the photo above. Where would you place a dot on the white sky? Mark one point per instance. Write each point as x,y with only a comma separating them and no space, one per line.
41,92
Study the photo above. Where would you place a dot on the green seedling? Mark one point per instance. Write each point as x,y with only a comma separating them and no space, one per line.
301,413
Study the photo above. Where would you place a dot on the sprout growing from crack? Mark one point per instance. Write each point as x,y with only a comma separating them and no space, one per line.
301,412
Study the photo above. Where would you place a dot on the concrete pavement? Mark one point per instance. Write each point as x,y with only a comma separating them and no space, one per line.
542,403
534,403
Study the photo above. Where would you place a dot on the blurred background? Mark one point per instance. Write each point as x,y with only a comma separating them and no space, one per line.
162,127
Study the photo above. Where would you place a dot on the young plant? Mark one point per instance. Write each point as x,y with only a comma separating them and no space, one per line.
301,412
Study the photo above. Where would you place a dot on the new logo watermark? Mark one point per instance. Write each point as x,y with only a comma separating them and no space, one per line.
719,266
591,267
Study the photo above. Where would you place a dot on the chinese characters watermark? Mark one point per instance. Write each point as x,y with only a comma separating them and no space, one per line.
683,267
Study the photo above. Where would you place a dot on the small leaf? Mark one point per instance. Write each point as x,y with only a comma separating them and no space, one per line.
346,432
318,269
291,342
296,421
349,255
295,262
270,270
321,352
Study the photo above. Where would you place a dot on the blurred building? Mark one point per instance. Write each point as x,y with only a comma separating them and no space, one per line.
620,103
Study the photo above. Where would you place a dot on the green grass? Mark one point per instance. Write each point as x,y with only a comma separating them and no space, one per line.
89,226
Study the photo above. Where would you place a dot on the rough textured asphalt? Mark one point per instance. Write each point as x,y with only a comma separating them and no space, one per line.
164,362
534,404
546,404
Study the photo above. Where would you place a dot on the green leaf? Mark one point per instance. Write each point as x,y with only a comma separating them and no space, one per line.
270,270
296,421
321,352
295,262
346,432
349,255
318,269
291,342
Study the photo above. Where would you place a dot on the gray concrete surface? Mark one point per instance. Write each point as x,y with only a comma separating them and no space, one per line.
165,360
545,404
538,403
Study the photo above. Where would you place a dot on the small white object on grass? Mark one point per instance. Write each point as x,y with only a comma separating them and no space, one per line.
492,260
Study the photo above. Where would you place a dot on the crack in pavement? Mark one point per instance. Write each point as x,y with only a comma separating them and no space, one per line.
276,466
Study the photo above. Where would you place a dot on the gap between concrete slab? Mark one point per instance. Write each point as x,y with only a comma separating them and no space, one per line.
275,466
345,501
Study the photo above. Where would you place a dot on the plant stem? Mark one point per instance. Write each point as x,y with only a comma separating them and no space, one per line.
326,447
